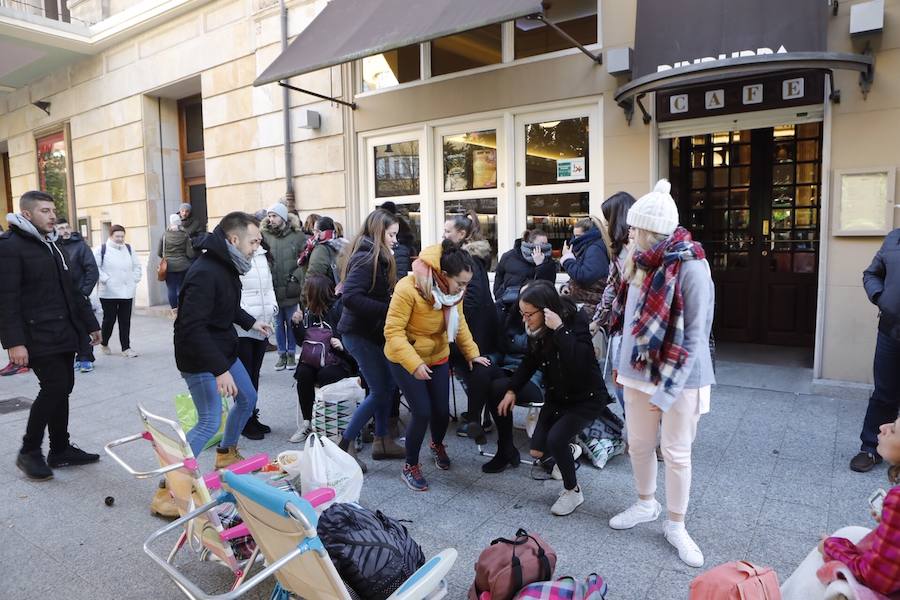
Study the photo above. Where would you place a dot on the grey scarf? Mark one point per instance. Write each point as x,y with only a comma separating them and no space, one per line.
240,262
527,248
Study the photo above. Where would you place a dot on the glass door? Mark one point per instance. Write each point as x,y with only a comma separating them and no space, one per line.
555,177
469,175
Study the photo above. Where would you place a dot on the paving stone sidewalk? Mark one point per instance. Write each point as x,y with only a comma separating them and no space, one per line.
770,477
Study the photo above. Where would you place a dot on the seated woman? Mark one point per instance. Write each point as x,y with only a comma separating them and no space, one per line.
874,561
425,315
321,314
529,259
560,346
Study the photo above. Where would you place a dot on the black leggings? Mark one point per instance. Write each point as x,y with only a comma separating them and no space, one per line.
113,310
552,433
251,353
309,377
530,394
476,382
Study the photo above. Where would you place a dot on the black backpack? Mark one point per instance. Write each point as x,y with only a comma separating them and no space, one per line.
373,553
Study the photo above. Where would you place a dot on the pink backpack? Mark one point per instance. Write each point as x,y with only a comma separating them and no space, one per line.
738,580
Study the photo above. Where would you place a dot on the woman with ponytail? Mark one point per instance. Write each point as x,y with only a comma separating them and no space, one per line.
425,316
664,307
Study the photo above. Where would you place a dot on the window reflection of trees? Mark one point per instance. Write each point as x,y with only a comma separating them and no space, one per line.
397,169
551,141
52,171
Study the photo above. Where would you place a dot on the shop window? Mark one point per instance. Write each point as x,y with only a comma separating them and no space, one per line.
391,68
578,18
467,50
53,171
470,161
397,169
557,152
556,214
487,218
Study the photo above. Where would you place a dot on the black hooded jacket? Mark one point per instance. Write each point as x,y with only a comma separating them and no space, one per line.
478,305
208,306
82,265
39,305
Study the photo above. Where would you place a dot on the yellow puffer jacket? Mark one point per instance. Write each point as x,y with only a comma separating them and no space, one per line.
414,331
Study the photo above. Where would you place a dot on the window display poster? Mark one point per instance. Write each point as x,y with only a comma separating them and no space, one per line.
570,169
863,202
484,168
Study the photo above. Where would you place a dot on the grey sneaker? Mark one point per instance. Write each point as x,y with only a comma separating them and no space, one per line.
282,362
567,502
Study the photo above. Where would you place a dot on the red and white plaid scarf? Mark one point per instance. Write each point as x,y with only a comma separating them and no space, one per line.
658,325
321,237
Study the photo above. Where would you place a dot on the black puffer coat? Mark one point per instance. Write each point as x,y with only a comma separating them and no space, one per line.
39,305
365,304
82,265
513,270
572,378
208,306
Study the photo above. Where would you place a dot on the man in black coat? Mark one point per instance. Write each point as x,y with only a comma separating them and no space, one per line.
206,342
882,283
42,319
84,272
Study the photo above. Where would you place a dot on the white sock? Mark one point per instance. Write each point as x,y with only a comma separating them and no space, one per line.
674,526
648,504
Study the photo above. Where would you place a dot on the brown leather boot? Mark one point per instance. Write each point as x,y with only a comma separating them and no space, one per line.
163,505
226,457
384,448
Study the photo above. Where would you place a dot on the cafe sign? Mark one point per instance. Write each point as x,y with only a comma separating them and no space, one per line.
745,95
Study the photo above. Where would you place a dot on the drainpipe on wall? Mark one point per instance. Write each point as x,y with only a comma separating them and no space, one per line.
286,113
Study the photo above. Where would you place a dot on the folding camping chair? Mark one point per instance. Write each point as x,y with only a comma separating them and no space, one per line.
284,527
189,489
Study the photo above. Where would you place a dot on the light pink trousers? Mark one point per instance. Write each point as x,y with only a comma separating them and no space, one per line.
679,427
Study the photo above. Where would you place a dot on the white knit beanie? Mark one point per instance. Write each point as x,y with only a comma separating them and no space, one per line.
655,211
174,220
279,209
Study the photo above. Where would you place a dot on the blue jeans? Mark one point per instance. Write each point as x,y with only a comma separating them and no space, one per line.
284,333
209,407
173,286
429,403
885,400
374,368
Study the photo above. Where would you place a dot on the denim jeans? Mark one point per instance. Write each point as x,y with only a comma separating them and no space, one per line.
173,286
374,368
885,399
284,333
429,403
206,398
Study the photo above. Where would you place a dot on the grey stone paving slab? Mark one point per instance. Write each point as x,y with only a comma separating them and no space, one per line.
770,474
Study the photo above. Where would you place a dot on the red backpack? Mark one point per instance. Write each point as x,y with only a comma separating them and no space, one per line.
738,580
506,566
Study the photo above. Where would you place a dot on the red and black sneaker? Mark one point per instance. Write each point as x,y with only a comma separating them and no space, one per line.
441,460
12,369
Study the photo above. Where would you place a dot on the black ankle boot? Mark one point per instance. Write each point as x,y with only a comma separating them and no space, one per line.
503,459
261,426
251,430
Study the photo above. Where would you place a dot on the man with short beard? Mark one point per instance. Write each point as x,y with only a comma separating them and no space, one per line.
42,318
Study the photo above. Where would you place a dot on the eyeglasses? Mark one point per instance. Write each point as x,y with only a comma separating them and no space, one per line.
528,315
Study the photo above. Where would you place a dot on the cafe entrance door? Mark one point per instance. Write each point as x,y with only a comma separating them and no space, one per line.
753,198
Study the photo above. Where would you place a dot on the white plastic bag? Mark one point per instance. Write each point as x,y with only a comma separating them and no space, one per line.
323,464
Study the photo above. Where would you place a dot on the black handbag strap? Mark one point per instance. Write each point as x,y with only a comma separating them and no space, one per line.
522,537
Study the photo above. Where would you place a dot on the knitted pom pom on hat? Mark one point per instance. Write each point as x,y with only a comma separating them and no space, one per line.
655,211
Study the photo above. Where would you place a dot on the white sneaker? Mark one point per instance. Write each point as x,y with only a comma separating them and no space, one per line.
688,550
642,511
129,353
576,454
567,502
105,350
301,434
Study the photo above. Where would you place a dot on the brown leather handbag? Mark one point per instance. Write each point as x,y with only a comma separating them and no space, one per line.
163,267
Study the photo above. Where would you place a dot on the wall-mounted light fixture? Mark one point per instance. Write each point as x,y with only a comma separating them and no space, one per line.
43,105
